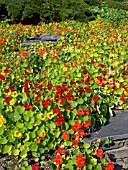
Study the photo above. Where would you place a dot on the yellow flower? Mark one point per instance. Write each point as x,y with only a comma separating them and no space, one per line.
72,69
3,73
1,120
9,93
1,123
65,68
42,117
12,102
95,55
62,38
50,115
9,108
4,68
42,134
17,134
6,128
14,94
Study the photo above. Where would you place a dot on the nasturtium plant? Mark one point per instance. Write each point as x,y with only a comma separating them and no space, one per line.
51,96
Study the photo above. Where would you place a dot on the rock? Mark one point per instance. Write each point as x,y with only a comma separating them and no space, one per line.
32,38
117,130
47,37
43,38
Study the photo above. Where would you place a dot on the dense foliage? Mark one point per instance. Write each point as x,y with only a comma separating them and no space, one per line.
50,95
32,11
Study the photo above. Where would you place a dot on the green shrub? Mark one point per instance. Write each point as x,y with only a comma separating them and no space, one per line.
118,4
3,10
31,11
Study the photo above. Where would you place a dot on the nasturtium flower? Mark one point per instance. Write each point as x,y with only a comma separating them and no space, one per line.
110,166
80,161
9,108
1,120
72,69
60,151
65,69
12,102
50,115
58,159
65,136
37,140
99,153
17,134
42,117
42,134
14,94
9,93
35,167
6,127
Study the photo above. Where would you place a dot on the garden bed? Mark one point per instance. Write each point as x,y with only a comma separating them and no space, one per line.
51,97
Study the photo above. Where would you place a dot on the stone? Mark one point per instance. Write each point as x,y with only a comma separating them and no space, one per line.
43,38
47,37
116,129
32,38
119,153
126,143
114,145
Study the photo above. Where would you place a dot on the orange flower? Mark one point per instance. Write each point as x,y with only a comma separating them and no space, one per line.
99,153
110,166
67,75
58,159
80,112
65,136
38,140
42,134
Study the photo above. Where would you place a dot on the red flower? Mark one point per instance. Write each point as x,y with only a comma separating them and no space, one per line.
99,153
58,88
59,120
88,90
60,150
69,107
58,159
86,112
50,86
80,112
7,99
62,101
12,88
115,88
83,71
123,97
58,168
76,135
45,103
81,132
35,167
75,142
110,166
126,72
56,109
2,77
80,161
65,136
87,123
6,90
95,98
76,126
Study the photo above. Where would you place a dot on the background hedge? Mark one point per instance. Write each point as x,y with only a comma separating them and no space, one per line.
32,11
